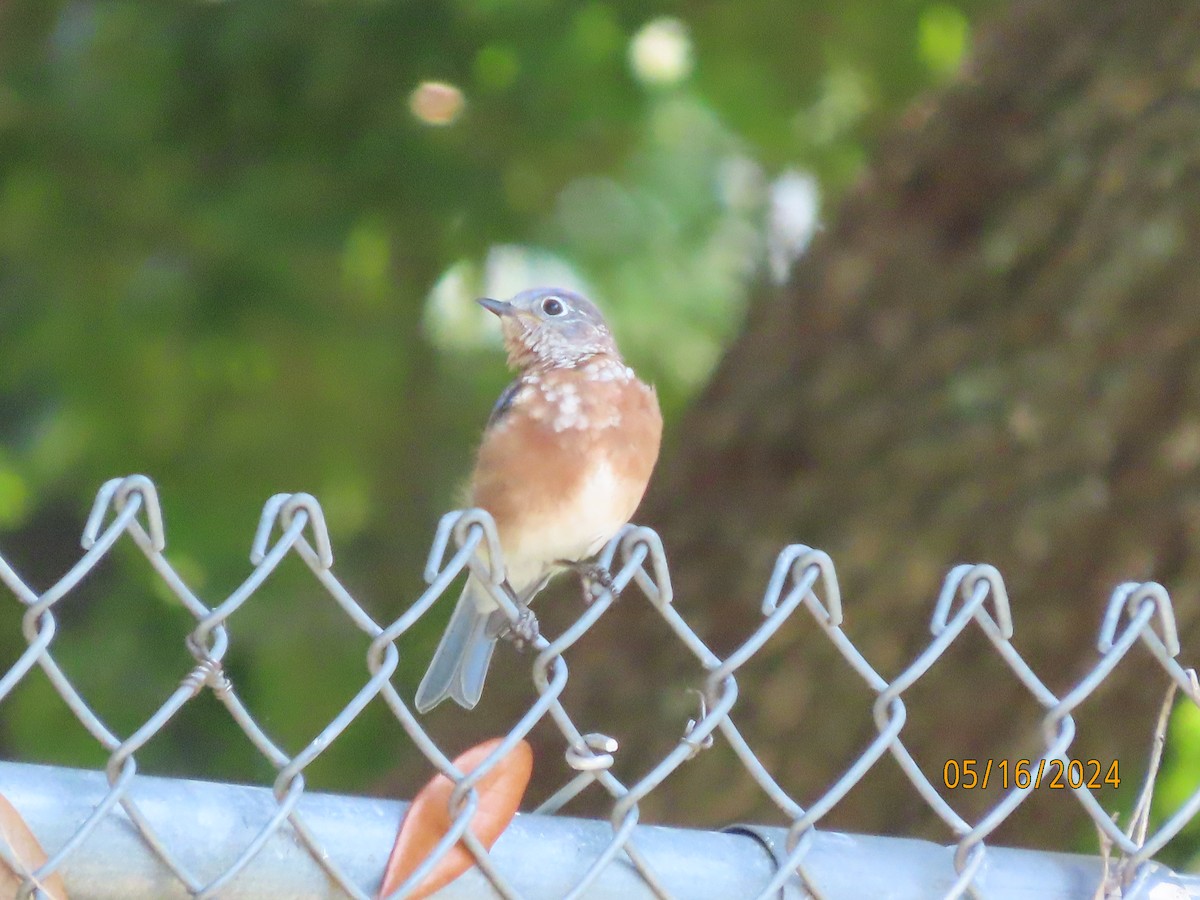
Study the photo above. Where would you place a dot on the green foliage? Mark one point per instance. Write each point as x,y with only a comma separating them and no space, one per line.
943,37
1178,780
220,226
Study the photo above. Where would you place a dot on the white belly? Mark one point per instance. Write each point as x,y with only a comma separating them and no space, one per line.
579,529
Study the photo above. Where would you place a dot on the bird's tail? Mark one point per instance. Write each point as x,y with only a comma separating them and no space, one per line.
460,663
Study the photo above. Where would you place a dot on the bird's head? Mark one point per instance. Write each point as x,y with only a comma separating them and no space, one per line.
551,328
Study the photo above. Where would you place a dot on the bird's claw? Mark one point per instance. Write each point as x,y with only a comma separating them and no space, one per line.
597,576
523,632
594,579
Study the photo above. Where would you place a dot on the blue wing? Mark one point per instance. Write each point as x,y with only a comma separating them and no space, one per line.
504,403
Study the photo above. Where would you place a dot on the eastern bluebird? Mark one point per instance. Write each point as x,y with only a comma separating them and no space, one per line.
564,462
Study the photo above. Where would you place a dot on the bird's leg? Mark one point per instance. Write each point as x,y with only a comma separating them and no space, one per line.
524,631
590,575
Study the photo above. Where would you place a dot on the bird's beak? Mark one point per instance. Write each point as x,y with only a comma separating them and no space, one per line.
501,308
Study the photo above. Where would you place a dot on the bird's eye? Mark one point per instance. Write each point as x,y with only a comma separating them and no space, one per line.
552,306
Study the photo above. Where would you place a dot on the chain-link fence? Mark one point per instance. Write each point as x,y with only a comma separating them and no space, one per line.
120,834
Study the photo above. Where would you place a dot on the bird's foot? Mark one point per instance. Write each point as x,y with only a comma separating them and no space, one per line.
594,580
524,631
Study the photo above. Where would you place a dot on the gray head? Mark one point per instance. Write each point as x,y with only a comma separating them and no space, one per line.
551,327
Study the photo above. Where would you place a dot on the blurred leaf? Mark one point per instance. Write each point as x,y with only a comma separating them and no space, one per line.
14,495
24,846
943,37
428,819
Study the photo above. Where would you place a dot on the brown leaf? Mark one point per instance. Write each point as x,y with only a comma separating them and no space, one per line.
428,819
21,843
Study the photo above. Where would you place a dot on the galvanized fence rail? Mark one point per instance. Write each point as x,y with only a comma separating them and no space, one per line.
119,834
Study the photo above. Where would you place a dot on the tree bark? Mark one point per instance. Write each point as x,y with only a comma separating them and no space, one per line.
989,356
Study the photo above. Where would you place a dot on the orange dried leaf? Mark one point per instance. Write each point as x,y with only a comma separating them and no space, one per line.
25,847
428,819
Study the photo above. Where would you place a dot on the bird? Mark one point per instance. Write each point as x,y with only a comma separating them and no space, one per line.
564,461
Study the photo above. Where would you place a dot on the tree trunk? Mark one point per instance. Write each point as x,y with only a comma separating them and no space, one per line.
989,356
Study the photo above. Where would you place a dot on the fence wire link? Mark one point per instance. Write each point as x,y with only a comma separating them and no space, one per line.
293,524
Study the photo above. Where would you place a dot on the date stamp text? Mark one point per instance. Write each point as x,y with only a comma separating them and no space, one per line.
971,774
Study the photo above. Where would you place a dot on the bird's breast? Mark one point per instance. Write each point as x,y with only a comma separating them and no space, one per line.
558,491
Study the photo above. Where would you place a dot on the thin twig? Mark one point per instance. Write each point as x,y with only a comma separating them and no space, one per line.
1140,823
1109,887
